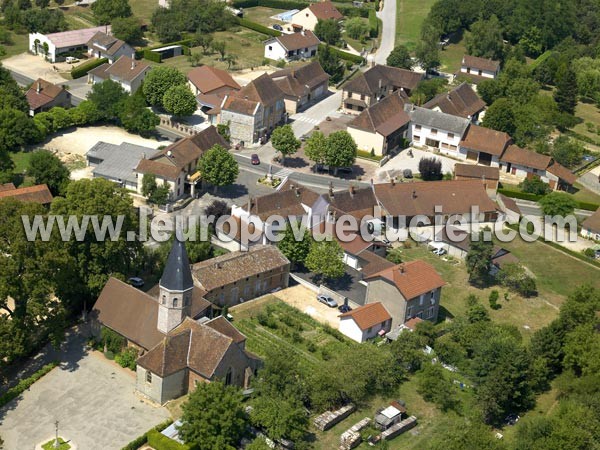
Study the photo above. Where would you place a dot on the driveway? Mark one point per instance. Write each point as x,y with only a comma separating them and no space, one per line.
92,398
402,161
388,34
305,300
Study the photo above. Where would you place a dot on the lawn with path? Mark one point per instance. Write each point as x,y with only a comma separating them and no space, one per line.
409,17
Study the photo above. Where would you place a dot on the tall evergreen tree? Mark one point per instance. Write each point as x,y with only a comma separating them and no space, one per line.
566,90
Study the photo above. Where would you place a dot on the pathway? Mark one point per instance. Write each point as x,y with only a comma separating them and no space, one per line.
388,34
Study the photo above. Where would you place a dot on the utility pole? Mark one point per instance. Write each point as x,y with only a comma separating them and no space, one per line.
56,443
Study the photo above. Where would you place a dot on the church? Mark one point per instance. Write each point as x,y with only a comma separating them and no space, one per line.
171,326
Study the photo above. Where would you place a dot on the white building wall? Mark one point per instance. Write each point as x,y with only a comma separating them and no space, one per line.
448,142
275,51
481,73
349,328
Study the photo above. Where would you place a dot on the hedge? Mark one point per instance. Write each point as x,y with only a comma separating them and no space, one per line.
26,383
83,69
143,439
352,11
184,42
276,4
158,441
536,198
344,55
258,27
540,59
152,56
373,24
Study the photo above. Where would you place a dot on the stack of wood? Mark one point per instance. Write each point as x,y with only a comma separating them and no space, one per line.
351,437
330,418
399,428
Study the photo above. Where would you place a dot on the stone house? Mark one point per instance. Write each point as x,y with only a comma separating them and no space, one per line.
308,17
210,86
382,127
462,101
170,326
301,85
253,112
126,71
103,45
34,194
479,69
439,131
239,276
407,290
365,322
371,86
43,96
176,164
293,46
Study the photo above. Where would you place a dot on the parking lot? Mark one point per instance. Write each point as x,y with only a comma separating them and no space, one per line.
306,301
91,397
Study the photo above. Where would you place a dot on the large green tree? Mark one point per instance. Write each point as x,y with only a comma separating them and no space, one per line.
565,94
500,116
330,62
340,150
136,117
479,259
179,101
16,130
128,29
213,417
400,57
485,39
328,31
324,259
109,98
557,204
158,81
296,250
315,147
46,168
284,141
218,167
107,10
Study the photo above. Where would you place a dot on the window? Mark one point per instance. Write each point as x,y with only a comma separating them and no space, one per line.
164,299
479,73
433,131
362,96
228,377
175,302
148,376
450,135
417,138
349,94
430,312
409,311
421,298
417,127
270,47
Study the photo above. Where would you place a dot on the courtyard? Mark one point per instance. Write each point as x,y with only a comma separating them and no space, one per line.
92,398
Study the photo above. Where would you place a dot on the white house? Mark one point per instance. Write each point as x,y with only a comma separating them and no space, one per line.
292,46
590,228
63,42
479,68
437,130
103,45
308,18
366,322
126,71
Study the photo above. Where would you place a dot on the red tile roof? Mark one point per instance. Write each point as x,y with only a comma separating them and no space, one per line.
485,140
296,41
208,79
562,172
368,315
385,117
412,278
592,223
527,158
476,62
37,194
47,93
412,323
462,101
476,171
325,10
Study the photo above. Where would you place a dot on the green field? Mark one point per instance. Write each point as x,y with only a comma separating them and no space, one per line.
451,56
409,17
143,9
262,15
589,113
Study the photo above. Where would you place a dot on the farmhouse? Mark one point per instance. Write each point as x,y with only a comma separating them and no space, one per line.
365,322
293,46
479,69
308,18
43,96
301,85
53,46
126,71
462,101
483,145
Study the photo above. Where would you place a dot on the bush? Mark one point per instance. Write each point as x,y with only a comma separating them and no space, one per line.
113,341
520,195
514,277
373,24
257,27
343,55
152,56
493,299
83,69
276,4
127,358
430,169
143,439
535,185
25,384
159,441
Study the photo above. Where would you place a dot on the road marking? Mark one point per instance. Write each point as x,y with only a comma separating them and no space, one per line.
307,120
283,173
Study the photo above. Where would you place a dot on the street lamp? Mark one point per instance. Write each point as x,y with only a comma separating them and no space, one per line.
56,443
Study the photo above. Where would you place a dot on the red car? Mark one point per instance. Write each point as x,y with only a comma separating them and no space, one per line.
254,159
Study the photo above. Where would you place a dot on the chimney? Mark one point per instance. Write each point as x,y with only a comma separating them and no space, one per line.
39,87
292,186
303,33
144,155
414,194
401,268
249,203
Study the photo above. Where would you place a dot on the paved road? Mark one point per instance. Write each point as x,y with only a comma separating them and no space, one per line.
533,209
78,88
388,34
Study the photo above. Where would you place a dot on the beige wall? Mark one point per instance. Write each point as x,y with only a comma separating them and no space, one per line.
306,19
160,389
366,140
381,290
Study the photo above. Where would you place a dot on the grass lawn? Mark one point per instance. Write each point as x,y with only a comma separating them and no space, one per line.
20,43
21,160
143,9
451,56
583,194
409,17
50,445
247,45
262,15
590,114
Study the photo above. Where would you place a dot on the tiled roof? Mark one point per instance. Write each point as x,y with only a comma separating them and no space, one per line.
356,246
126,69
309,75
163,170
485,140
226,269
412,278
562,172
260,90
208,79
177,275
325,10
75,38
47,93
296,41
373,263
517,155
130,312
462,101
105,43
7,187
592,223
476,171
37,194
510,203
357,202
438,120
287,201
223,326
420,198
368,82
384,117
412,323
480,63
368,315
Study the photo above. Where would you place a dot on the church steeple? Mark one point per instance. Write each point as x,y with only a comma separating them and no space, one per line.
176,286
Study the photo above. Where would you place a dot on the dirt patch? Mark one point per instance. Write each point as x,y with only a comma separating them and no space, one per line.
35,67
306,301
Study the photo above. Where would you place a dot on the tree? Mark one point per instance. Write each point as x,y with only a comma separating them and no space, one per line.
514,277
16,130
567,151
230,59
109,98
315,147
219,47
284,141
107,10
328,31
430,169
331,64
84,113
204,40
46,168
400,57
427,89
434,387
218,209
479,259
148,185
136,117
213,417
158,81
565,94
490,91
340,150
179,101
295,250
128,29
557,204
168,23
218,167
42,3
485,39
500,116
534,185
324,259
356,28
427,51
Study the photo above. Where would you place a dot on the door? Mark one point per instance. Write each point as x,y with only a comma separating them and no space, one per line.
485,159
472,156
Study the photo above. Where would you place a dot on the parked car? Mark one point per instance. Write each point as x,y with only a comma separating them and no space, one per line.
511,419
254,159
344,308
277,27
136,282
327,300
407,173
71,60
439,251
